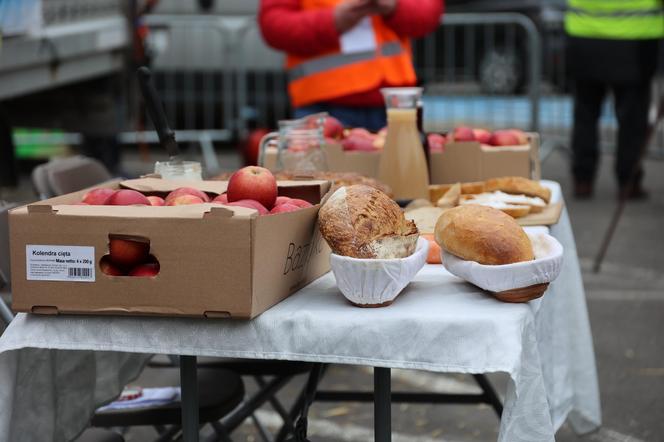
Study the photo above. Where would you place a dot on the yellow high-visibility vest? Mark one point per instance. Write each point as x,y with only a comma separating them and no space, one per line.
615,19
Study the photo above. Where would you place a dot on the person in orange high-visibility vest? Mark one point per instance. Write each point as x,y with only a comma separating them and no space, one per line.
341,52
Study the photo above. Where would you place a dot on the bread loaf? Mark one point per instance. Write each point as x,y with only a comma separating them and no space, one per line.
362,222
483,234
519,186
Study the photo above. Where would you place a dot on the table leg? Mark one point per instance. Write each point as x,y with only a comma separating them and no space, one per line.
189,390
382,404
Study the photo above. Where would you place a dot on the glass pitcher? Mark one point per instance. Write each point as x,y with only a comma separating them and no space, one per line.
403,164
298,143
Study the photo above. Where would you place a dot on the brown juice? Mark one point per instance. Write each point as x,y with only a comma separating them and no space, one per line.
403,165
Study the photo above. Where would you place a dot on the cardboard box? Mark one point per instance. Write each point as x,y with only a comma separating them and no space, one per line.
338,160
470,161
461,162
215,261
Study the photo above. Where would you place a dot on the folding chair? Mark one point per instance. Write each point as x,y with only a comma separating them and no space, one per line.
220,392
99,435
5,278
67,175
280,373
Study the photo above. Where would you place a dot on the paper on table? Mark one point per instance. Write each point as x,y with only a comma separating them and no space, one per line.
360,38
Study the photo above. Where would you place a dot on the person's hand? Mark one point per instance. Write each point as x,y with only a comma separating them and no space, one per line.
349,12
384,7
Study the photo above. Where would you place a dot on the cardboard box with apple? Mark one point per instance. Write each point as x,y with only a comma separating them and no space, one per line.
156,247
475,154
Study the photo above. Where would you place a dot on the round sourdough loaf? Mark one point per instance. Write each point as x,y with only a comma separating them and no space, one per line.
362,222
484,235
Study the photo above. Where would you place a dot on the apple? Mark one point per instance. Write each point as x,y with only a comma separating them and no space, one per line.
128,252
97,197
149,269
187,191
520,135
251,146
222,199
184,200
156,201
251,204
355,142
302,204
503,138
332,128
283,208
436,142
463,133
281,200
127,197
108,268
482,135
253,183
360,132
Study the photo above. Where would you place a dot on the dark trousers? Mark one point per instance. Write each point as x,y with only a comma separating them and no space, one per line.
631,107
626,69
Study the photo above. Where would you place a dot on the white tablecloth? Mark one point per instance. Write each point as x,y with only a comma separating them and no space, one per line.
54,371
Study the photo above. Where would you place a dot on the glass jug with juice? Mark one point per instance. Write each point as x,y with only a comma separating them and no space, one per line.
403,164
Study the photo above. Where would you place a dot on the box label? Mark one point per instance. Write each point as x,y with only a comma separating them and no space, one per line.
60,263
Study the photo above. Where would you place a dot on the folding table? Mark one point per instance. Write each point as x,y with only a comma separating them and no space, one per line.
439,324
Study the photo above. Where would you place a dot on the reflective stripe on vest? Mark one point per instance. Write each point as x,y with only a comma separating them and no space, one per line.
325,63
617,19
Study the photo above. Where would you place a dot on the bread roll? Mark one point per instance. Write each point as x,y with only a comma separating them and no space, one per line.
436,191
362,222
519,186
483,234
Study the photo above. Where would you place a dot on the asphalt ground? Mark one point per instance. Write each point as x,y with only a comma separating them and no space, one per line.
626,309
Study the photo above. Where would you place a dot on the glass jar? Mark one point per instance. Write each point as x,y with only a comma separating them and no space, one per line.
179,170
298,144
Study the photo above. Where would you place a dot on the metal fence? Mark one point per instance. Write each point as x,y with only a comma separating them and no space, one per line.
490,70
218,79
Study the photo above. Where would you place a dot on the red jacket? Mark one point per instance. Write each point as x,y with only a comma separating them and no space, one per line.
285,26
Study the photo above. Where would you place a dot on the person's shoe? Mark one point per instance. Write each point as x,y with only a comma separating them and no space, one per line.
635,192
583,189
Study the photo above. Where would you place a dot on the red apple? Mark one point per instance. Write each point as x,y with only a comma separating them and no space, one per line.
302,204
332,128
463,133
251,204
253,183
97,197
222,199
503,138
251,146
156,200
145,270
482,135
520,135
360,132
187,191
356,142
436,142
128,252
108,268
283,208
184,200
127,197
282,200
